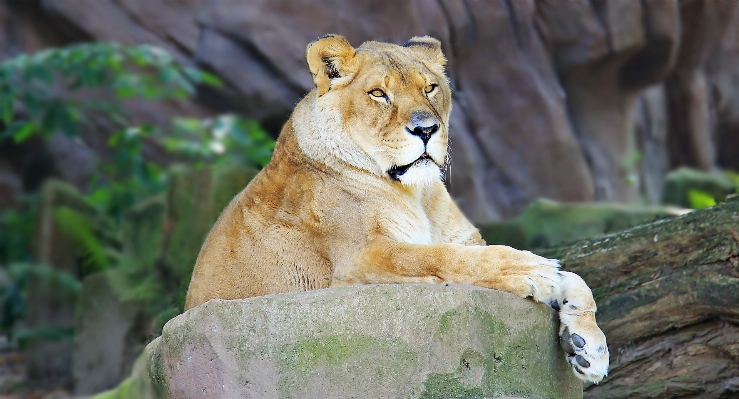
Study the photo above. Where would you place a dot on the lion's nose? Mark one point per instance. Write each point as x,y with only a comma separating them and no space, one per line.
423,125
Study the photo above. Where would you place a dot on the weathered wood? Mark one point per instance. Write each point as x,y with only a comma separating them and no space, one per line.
668,301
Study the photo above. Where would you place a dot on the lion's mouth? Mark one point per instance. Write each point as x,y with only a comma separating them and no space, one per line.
396,171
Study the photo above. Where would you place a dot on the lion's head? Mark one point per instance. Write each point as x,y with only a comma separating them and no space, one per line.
381,108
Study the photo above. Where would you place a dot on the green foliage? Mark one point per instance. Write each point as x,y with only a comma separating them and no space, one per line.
58,91
77,229
629,164
38,97
128,177
164,316
26,335
18,274
40,85
226,139
693,188
700,199
16,228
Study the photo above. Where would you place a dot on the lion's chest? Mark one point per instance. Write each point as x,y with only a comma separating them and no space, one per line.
410,225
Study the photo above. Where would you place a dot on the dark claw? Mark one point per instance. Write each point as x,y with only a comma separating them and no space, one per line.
582,362
577,369
554,305
578,341
564,340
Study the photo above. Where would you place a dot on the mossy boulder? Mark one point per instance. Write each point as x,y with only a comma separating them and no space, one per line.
379,341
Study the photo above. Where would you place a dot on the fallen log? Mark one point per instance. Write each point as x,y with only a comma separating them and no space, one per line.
668,301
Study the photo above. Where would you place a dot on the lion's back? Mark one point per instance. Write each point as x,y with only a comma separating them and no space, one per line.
259,245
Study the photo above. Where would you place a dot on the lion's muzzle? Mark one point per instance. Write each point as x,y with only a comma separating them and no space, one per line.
423,125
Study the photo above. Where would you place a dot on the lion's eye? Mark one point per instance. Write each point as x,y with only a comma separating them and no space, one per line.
430,88
377,93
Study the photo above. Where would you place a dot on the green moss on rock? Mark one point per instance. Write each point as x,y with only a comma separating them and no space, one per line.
333,351
448,386
406,341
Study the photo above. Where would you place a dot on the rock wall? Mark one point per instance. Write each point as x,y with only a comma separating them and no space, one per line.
576,101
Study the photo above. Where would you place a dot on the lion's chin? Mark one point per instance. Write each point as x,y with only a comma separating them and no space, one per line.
421,173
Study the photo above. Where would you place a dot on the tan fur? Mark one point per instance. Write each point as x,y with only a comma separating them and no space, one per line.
326,212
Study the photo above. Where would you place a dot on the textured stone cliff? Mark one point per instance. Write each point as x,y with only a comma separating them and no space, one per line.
574,101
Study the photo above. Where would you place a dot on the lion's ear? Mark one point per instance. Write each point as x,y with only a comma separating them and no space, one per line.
329,58
427,48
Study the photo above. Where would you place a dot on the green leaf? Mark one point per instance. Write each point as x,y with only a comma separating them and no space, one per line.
62,117
77,229
211,80
169,74
100,197
115,139
20,130
699,199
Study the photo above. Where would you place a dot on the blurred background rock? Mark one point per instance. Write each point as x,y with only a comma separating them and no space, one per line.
571,119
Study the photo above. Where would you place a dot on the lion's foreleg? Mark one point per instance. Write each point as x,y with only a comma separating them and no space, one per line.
499,267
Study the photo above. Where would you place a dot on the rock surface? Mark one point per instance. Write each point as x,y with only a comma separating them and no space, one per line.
381,341
113,326
574,101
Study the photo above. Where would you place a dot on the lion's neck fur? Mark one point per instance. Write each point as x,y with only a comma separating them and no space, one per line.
321,136
302,147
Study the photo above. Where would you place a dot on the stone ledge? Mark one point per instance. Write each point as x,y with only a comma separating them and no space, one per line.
378,341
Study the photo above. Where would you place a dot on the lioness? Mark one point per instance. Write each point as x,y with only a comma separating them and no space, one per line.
354,195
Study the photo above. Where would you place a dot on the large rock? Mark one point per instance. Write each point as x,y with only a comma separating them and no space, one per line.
552,99
381,341
107,336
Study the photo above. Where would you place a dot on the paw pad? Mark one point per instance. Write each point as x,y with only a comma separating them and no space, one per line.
588,365
582,362
564,340
578,341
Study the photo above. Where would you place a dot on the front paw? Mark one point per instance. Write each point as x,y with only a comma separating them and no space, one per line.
585,345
